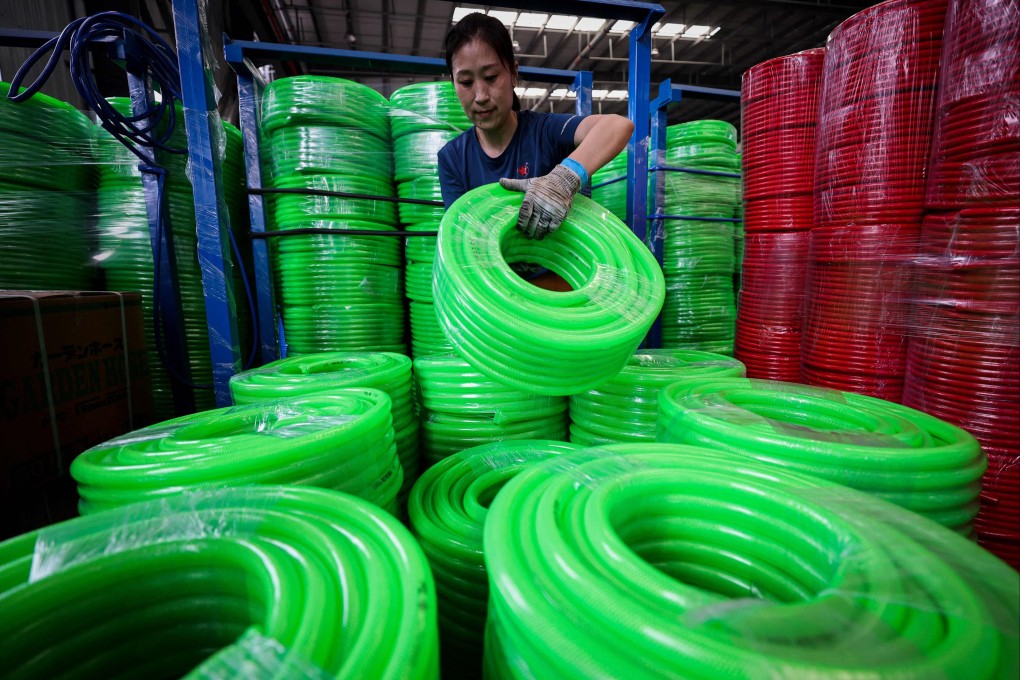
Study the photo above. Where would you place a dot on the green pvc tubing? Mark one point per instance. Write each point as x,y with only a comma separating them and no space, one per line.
290,581
533,339
626,407
613,197
330,371
892,451
322,100
447,511
343,441
651,560
426,106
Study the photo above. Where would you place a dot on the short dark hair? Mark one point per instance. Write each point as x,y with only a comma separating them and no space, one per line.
478,26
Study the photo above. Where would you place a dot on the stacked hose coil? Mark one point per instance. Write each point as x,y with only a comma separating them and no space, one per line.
461,408
650,561
894,452
342,440
699,252
612,194
423,117
963,363
447,513
46,202
125,246
528,338
330,371
339,292
626,407
256,582
779,100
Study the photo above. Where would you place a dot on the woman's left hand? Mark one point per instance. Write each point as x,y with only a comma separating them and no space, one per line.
547,200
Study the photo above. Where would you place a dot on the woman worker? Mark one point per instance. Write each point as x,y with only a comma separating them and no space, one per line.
549,157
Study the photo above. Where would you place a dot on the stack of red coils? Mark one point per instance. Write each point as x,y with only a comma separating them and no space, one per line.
964,365
857,308
874,128
974,158
779,112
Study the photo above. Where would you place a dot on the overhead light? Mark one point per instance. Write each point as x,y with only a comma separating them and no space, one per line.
714,31
589,24
668,30
599,94
559,92
534,92
621,26
504,17
655,51
516,45
519,91
531,20
617,94
461,12
561,22
697,31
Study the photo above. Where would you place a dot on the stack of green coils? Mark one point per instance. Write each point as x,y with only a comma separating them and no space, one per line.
698,256
650,561
327,372
904,456
424,117
258,582
534,339
626,408
461,408
125,247
46,207
447,512
342,440
338,292
612,197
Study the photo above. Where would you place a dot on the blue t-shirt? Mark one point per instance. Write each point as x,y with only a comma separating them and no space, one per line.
540,142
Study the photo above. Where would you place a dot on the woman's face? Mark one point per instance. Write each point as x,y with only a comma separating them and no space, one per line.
485,87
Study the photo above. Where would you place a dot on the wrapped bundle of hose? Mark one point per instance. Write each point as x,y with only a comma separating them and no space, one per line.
447,512
254,582
426,336
46,205
533,339
342,440
338,293
648,561
894,452
461,408
328,372
626,407
426,106
421,189
613,197
416,153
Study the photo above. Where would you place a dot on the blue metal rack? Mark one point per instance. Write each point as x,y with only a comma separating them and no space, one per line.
672,94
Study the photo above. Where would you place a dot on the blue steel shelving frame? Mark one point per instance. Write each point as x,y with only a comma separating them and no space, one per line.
673,94
213,249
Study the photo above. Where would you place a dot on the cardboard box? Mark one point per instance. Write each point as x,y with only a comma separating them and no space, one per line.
73,374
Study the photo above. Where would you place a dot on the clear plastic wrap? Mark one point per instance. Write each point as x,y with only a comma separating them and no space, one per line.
650,561
875,120
343,440
896,453
547,342
254,582
612,196
447,511
461,408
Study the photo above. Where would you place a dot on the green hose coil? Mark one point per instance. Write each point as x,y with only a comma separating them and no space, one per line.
612,197
328,372
426,106
894,452
626,407
342,441
256,582
461,408
339,292
650,561
533,339
447,512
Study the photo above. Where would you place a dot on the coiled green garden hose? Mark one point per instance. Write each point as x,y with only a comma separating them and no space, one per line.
275,582
426,217
426,106
321,100
447,510
298,209
533,339
650,561
626,407
462,408
892,451
331,371
416,153
613,197
343,441
315,150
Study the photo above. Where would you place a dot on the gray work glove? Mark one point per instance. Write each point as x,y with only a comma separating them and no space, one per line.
547,200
